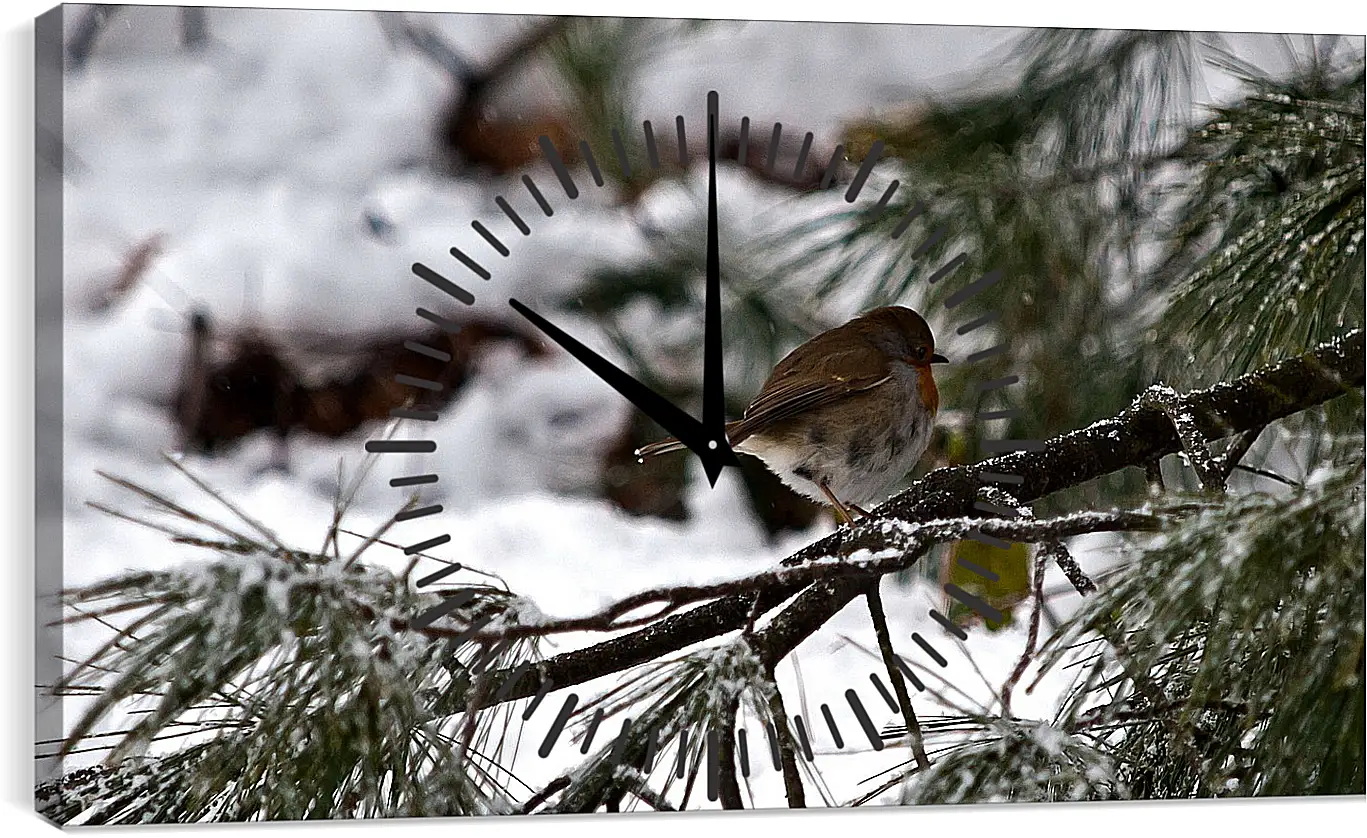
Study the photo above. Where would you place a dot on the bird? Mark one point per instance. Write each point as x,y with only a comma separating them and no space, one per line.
845,415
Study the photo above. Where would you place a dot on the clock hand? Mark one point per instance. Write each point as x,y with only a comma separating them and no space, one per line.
714,453
714,390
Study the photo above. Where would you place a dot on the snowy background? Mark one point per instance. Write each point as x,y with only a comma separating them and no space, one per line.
262,156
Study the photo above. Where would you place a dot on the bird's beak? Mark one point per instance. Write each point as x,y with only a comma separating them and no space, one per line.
937,358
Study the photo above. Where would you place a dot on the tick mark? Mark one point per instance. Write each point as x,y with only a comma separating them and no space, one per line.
974,567
979,322
929,243
929,649
423,383
400,446
476,268
445,607
593,729
989,540
912,214
490,238
862,716
448,326
558,726
830,723
552,156
976,603
652,153
949,268
443,284
421,512
948,624
887,196
415,480
423,546
621,150
862,175
416,415
802,156
831,165
513,216
587,154
424,349
537,196
772,157
974,288
437,576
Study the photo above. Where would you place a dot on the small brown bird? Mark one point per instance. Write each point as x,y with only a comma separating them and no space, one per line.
845,415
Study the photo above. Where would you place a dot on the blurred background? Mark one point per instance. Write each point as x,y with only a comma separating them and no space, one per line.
246,190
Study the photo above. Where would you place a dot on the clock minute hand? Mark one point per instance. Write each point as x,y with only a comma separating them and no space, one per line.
685,428
714,389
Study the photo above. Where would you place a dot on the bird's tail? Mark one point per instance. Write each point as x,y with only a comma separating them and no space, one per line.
665,446
656,448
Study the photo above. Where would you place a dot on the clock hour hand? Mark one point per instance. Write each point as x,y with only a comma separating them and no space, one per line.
714,451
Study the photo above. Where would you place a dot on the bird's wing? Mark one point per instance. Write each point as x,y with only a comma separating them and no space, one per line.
786,394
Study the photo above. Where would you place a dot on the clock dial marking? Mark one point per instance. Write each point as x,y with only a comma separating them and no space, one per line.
400,446
587,153
831,166
557,164
476,268
773,149
413,480
865,167
513,216
887,196
621,150
537,196
409,413
652,153
490,238
443,284
683,141
802,155
439,575
949,267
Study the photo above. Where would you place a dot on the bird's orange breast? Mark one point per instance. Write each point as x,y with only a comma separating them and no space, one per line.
930,396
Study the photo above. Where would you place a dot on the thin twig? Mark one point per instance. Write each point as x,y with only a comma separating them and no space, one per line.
542,796
1032,636
267,533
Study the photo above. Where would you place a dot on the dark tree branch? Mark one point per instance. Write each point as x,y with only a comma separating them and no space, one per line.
787,748
728,786
1136,436
1140,433
899,684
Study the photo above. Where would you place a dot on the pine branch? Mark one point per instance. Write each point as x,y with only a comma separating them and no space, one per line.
1138,435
